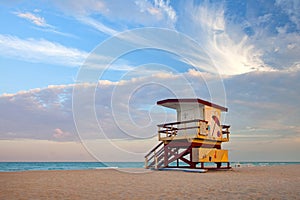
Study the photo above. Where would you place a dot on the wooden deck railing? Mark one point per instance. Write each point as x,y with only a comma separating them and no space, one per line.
170,130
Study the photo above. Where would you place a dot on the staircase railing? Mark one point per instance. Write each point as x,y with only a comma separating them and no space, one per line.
154,157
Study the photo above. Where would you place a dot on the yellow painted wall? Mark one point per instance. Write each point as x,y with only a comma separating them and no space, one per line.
209,155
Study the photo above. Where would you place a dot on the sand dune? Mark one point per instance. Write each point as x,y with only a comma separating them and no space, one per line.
276,182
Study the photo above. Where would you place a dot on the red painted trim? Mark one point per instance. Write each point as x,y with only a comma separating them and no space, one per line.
200,101
182,122
187,144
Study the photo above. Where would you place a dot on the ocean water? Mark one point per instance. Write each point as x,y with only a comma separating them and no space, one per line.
33,166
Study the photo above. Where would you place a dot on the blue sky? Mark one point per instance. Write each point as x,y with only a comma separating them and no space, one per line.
253,45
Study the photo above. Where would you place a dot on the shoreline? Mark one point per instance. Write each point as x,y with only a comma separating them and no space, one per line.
267,182
66,166
143,170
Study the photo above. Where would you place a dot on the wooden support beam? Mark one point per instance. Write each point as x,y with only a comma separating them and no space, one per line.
186,161
178,156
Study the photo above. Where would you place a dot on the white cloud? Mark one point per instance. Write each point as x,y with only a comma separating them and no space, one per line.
82,7
270,45
231,55
36,10
40,22
158,13
33,18
40,50
160,9
164,11
165,6
275,33
97,25
291,8
280,51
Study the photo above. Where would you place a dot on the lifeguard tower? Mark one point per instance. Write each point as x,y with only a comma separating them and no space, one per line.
194,140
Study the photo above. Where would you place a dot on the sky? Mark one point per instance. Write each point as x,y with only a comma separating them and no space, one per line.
80,79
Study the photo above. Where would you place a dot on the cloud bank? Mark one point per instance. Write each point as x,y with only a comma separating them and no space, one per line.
271,95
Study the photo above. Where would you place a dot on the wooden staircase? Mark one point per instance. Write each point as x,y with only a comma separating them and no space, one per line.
164,154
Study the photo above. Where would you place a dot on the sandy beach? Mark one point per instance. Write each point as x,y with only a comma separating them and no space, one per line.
273,182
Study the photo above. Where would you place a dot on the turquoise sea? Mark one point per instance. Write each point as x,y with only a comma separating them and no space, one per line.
32,166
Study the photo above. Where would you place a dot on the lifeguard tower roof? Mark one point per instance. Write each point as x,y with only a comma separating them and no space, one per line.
175,103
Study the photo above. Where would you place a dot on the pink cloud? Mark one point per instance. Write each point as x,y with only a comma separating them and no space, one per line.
59,134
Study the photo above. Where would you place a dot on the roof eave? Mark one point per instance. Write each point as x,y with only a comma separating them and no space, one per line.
199,101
